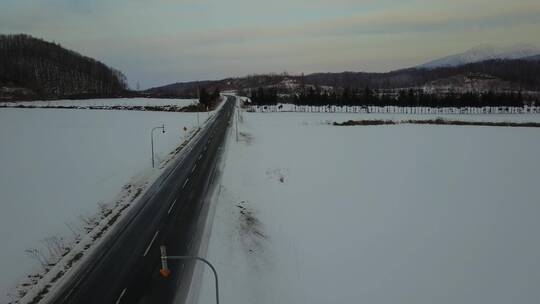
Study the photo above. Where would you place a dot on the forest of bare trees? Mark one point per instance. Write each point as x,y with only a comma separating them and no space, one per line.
47,70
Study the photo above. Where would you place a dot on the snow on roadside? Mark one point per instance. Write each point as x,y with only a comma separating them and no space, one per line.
311,213
103,102
57,165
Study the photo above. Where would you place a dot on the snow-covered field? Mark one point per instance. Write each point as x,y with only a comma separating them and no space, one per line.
312,213
105,102
56,165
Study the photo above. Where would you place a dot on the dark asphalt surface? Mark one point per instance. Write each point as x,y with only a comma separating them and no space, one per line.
125,266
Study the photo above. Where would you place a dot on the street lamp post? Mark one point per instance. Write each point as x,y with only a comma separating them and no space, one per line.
152,140
166,272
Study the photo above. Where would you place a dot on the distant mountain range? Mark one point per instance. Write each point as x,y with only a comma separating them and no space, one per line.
517,74
533,58
482,53
517,67
32,68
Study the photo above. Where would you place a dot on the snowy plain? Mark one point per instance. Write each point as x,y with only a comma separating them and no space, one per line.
314,213
57,164
104,102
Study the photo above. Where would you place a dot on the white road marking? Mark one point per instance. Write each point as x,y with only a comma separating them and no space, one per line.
168,212
194,167
200,156
121,295
150,245
70,292
185,183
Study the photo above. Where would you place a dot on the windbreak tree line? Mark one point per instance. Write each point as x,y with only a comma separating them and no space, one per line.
51,71
263,96
208,100
404,98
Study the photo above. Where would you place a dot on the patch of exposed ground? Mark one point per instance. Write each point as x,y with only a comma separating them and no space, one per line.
251,229
277,174
245,137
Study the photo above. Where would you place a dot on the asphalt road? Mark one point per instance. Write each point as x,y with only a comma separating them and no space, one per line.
125,266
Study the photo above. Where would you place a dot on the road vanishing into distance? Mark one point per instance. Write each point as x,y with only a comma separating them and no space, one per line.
124,268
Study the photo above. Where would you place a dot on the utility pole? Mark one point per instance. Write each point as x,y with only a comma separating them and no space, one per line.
239,105
236,128
152,141
237,117
199,98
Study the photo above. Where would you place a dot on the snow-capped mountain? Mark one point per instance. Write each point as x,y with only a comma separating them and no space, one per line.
484,52
533,58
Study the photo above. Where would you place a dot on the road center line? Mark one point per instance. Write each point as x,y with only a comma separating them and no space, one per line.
194,167
121,295
185,183
150,245
172,205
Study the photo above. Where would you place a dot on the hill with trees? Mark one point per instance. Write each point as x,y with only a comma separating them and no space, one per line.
31,68
523,74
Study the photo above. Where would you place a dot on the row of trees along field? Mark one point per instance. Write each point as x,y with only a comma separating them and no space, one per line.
52,71
405,98
208,100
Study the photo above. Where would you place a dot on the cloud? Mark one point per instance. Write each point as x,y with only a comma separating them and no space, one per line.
381,22
153,40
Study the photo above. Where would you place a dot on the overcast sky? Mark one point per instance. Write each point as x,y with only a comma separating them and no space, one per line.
157,42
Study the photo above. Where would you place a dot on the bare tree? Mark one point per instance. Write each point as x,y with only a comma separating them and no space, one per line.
37,255
74,230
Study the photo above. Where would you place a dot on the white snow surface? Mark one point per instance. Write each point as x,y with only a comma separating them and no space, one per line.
57,164
379,214
105,102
